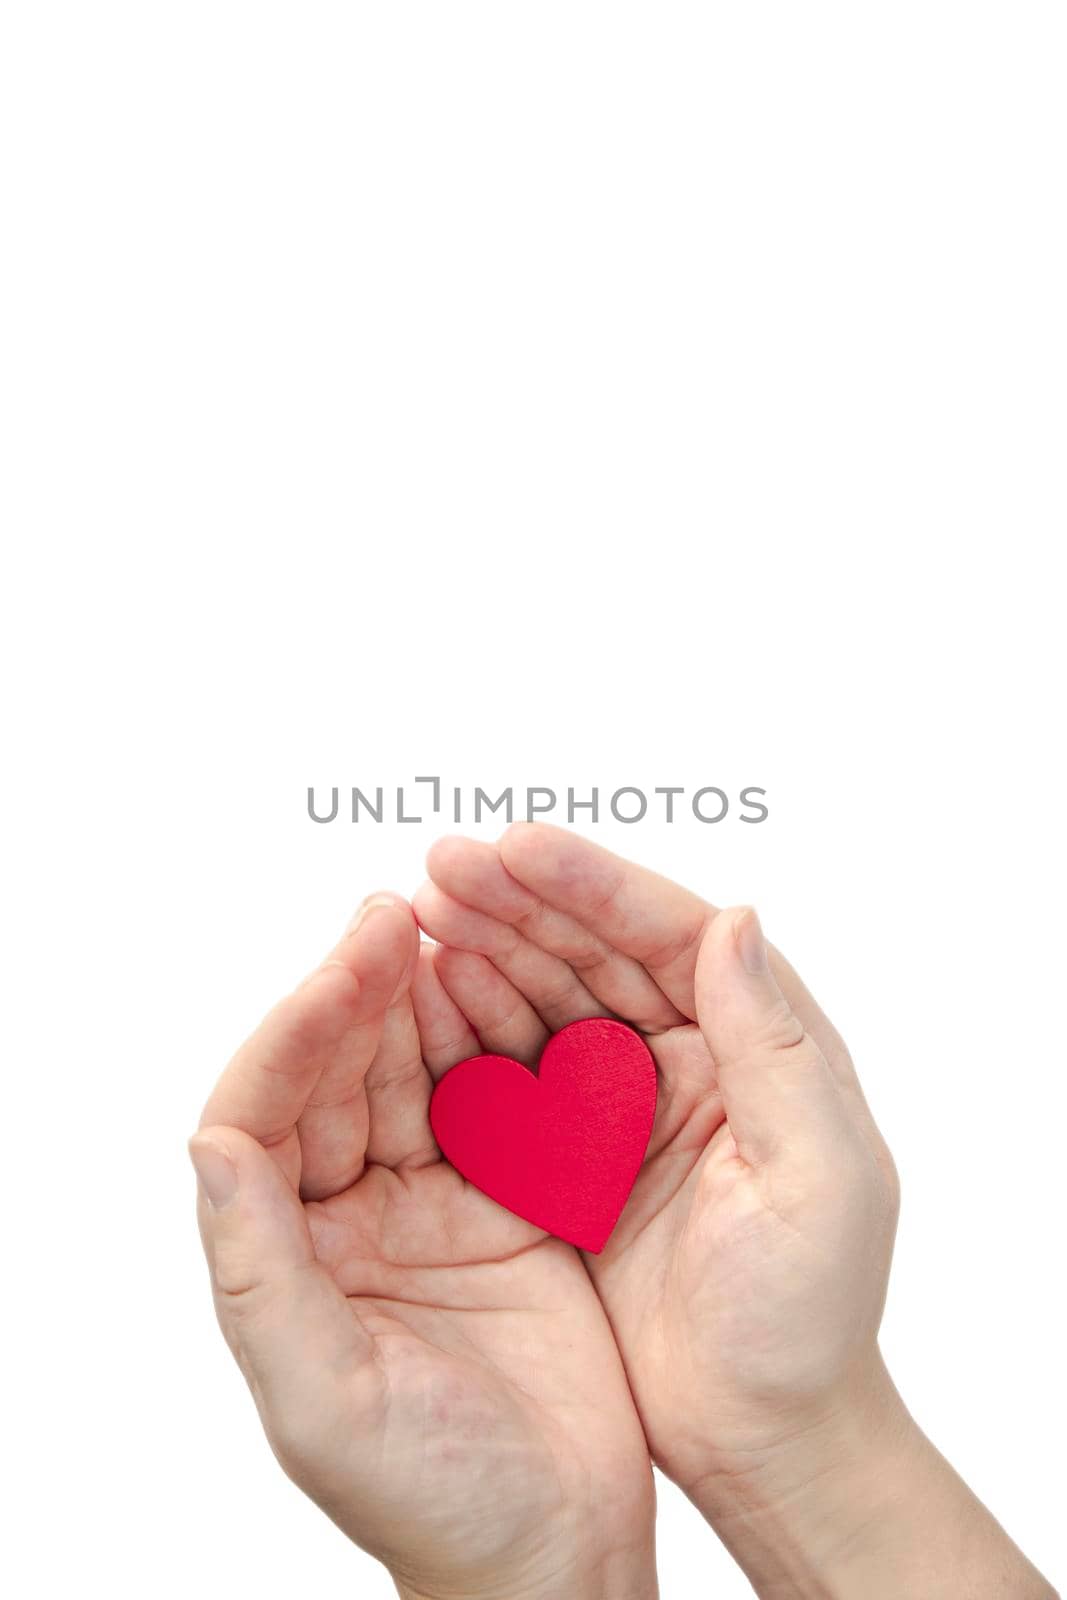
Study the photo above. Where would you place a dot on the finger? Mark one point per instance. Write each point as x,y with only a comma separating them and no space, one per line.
506,1024
398,1095
283,1316
305,1062
445,1034
333,1127
651,919
780,1096
655,922
550,984
474,874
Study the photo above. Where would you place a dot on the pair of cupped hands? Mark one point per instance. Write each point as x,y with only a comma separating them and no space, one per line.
477,1404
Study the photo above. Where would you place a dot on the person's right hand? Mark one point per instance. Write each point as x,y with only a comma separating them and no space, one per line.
746,1276
438,1375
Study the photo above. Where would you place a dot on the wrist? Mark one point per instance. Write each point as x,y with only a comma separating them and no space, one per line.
856,1500
621,1573
793,1510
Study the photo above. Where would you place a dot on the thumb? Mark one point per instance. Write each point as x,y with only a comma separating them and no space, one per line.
284,1317
778,1091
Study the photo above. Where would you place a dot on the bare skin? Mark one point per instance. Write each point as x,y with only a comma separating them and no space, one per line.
438,1375
746,1279
475,1403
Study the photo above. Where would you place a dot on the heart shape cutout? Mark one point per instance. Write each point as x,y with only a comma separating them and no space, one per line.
561,1147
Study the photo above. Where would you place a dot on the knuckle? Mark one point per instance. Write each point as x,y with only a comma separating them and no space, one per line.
681,947
234,1275
239,1311
780,1035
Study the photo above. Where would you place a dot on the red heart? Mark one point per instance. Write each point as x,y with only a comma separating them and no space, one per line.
561,1148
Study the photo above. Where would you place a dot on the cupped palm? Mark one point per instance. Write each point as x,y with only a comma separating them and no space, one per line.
455,1401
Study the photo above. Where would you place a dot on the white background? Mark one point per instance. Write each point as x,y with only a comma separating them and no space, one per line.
559,394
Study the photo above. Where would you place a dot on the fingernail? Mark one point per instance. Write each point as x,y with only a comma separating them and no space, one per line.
369,904
750,943
215,1172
